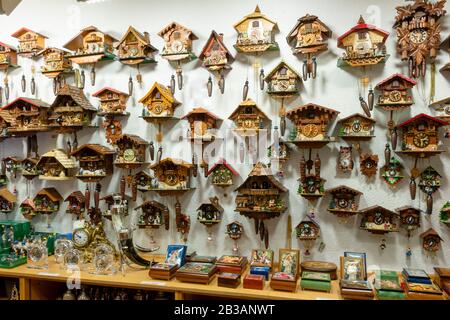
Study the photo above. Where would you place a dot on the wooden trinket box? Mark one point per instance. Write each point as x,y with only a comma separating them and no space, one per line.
254,281
202,259
320,266
163,271
262,271
196,272
317,281
442,276
288,270
229,280
231,264
284,281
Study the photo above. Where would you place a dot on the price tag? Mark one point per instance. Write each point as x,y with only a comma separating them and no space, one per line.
154,283
48,274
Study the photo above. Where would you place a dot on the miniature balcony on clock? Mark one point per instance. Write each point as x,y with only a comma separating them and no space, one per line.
7,201
131,151
260,196
379,220
344,201
113,103
153,215
249,119
420,136
311,123
202,125
356,127
57,166
96,162
159,104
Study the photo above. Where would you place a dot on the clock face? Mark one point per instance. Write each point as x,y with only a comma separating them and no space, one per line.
309,39
356,127
134,51
421,140
129,155
171,179
157,108
395,96
343,203
410,220
310,130
369,164
81,238
177,46
283,85
378,218
418,36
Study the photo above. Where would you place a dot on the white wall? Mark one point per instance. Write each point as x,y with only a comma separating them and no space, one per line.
337,88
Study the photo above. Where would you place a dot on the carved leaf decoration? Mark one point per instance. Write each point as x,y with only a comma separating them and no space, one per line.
403,39
435,36
437,9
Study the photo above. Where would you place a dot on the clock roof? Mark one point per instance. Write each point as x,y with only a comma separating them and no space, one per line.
278,67
312,106
430,170
77,96
177,162
255,15
308,222
440,103
78,195
308,19
201,111
446,43
60,156
7,195
77,41
261,170
223,162
143,38
215,37
343,188
28,203
407,12
109,89
358,115
362,25
12,48
44,51
24,30
371,209
133,137
423,116
165,92
430,232
247,103
234,222
396,76
152,203
51,193
176,26
408,208
98,148
214,201
35,102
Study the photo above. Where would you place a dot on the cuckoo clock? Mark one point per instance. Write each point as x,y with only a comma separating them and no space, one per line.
260,197
6,120
30,42
222,173
71,111
96,162
248,118
183,221
153,215
7,201
368,164
28,209
444,215
279,153
344,203
311,185
178,42
256,33
378,220
56,65
418,33
130,151
445,45
47,201
409,218
172,175
76,204
11,165
308,39
89,47
234,232
307,231
430,182
392,172
282,83
311,122
345,160
210,214
431,241
442,108
26,116
115,199
159,106
144,181
135,49
216,58
29,169
201,124
356,127
8,56
56,165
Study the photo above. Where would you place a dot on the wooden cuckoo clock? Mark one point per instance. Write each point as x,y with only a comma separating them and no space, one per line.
56,66
311,122
409,218
307,231
159,106
28,168
442,108
28,209
282,83
172,176
183,221
311,185
56,165
444,215
96,162
89,47
210,214
11,165
445,46
135,49
178,42
431,241
47,201
234,232
144,181
153,215
344,202
114,199
131,151
379,220
356,127
418,33
392,172
260,198
222,173
217,59
113,105
76,204
279,153
71,111
249,119
430,182
368,164
7,201
345,159
8,57
201,125
308,39
30,42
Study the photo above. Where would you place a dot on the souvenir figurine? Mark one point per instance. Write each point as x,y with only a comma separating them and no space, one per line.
282,83
308,39
56,66
89,47
431,241
7,201
368,164
56,165
235,231
307,231
178,42
76,204
444,215
135,49
210,214
409,218
445,45
430,182
260,198
418,33
216,58
222,173
96,162
344,202
378,220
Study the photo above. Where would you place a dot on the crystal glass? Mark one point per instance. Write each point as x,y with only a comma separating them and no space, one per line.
37,255
61,248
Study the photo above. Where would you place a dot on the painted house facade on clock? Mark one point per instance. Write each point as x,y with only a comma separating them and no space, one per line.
135,48
71,110
248,118
222,173
364,45
30,42
8,56
47,201
130,150
76,204
7,201
177,42
172,174
96,162
256,33
26,116
395,92
283,81
55,62
159,103
112,102
201,124
379,220
431,240
356,126
343,201
56,165
153,215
